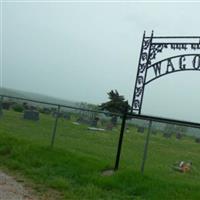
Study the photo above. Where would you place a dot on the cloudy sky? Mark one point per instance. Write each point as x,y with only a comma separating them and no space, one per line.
81,50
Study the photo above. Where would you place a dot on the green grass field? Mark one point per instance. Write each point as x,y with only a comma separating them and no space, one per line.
72,169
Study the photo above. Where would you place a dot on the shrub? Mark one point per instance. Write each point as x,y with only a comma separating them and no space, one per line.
18,108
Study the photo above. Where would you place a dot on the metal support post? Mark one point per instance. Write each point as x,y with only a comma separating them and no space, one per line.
55,126
1,106
146,147
120,140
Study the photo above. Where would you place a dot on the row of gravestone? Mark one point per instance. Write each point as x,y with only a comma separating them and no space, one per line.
92,122
6,105
34,115
28,114
179,136
11,105
95,122
32,112
61,114
166,135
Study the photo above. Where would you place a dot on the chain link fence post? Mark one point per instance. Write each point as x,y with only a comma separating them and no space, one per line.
55,126
1,106
146,147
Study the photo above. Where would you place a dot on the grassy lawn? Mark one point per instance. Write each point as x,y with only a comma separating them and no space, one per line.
73,167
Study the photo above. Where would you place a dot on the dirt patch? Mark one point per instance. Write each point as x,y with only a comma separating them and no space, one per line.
13,190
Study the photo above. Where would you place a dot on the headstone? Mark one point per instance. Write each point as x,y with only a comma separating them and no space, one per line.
66,116
79,120
114,120
127,130
53,110
94,122
140,130
56,114
32,108
153,132
6,105
100,123
31,115
197,140
25,105
46,110
167,135
109,127
178,136
1,110
83,120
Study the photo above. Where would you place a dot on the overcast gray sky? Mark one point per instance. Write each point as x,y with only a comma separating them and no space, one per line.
80,51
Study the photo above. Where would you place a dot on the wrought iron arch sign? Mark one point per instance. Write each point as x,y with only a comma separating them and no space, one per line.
149,69
152,66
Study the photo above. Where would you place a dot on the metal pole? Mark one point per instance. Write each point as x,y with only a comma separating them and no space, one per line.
1,106
55,126
146,147
120,140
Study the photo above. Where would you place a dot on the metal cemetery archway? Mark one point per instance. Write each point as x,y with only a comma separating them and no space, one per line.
149,69
154,64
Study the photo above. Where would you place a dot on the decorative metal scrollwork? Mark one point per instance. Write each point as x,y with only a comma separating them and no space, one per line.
156,48
146,43
140,80
144,56
139,91
142,68
136,104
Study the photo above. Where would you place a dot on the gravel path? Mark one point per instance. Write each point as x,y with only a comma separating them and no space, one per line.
12,190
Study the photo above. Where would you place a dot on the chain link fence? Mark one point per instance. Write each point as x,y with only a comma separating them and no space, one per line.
91,132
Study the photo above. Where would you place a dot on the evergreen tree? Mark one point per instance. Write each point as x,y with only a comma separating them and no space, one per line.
116,104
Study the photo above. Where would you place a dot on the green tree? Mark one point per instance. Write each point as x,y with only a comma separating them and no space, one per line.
116,104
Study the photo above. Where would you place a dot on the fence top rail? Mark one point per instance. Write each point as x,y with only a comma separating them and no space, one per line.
64,106
132,115
164,120
174,37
